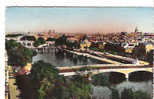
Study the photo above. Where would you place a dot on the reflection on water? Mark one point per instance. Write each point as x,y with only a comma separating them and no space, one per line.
103,92
65,59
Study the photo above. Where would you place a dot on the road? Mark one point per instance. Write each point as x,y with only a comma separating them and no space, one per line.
13,89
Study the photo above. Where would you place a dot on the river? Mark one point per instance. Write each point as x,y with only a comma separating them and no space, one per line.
99,92
103,92
65,59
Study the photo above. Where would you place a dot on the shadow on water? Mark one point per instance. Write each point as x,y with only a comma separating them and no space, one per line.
116,77
108,78
140,76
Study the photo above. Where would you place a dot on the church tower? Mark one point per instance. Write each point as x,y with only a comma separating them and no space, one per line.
136,30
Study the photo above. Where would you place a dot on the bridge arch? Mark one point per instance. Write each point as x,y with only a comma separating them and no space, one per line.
141,71
116,77
123,71
140,75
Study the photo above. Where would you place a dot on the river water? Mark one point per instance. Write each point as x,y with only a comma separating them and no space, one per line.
99,92
63,59
103,92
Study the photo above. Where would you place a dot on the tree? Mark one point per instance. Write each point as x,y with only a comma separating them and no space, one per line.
18,55
51,39
16,58
10,44
29,38
39,41
80,88
76,45
41,69
28,54
45,77
70,45
61,41
50,85
101,79
13,35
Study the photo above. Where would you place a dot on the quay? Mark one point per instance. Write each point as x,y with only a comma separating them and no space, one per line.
94,57
120,57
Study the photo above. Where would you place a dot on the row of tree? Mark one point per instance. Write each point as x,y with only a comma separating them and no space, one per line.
38,41
64,42
13,35
31,38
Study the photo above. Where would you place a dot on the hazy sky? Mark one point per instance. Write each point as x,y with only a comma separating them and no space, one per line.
83,20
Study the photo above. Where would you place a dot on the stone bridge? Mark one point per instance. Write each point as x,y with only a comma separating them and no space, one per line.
102,68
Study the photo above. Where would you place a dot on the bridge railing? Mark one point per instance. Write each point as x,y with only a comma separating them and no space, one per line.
104,66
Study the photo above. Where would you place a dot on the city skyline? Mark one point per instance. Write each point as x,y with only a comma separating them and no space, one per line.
78,20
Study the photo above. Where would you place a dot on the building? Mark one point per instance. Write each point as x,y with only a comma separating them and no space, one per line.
148,46
85,44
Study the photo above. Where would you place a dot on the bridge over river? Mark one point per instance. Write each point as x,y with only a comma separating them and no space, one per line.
115,64
101,68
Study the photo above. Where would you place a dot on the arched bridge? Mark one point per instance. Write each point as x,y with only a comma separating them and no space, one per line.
100,68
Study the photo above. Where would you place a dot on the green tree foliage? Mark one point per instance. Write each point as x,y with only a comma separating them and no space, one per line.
28,53
18,55
13,35
70,45
10,44
39,41
100,79
29,38
114,48
76,45
41,69
16,58
51,39
80,88
61,41
50,85
46,79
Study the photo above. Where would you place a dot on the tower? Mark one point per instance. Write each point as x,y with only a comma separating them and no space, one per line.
136,30
49,32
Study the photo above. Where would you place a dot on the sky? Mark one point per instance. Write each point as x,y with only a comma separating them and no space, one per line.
79,20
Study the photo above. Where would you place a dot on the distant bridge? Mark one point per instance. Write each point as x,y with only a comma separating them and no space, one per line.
102,68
